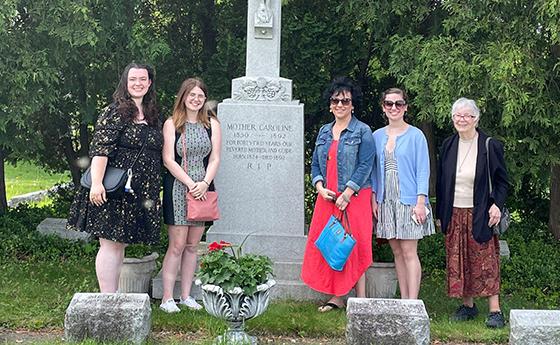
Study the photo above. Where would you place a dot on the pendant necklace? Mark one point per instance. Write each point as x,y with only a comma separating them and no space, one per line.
467,154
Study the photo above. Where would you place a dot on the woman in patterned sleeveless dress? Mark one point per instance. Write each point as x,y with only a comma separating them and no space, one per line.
400,182
192,133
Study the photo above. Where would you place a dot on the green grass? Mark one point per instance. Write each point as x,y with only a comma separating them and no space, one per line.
26,177
34,296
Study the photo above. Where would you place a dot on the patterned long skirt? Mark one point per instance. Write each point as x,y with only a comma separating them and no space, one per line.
473,269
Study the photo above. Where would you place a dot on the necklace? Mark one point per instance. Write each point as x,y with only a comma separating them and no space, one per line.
467,154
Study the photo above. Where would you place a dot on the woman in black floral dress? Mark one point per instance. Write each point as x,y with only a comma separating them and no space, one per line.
120,133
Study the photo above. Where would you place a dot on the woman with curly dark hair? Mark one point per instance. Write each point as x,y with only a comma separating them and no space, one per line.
341,169
127,136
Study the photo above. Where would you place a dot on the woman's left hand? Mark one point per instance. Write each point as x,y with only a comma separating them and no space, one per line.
494,215
199,190
342,201
420,211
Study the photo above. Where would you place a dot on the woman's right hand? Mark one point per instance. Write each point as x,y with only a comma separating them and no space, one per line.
326,194
374,206
97,194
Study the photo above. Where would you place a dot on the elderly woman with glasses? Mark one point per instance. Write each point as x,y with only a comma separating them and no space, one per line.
400,189
340,170
467,211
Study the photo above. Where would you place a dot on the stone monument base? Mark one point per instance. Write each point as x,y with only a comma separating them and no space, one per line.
108,317
387,322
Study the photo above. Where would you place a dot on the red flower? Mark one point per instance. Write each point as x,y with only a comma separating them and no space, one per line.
218,246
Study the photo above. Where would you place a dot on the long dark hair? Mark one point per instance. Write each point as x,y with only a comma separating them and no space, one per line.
124,103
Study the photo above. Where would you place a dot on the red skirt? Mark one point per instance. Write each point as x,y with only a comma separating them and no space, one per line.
473,269
315,271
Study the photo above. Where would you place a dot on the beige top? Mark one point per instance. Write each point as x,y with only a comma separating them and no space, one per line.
466,168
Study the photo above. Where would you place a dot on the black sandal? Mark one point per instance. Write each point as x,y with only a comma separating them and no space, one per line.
328,307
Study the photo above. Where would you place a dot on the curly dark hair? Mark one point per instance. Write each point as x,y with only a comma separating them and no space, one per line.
341,84
124,103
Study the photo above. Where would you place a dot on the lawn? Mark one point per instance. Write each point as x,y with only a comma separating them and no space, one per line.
34,296
27,177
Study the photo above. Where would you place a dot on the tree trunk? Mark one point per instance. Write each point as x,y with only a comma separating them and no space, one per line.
71,157
554,214
207,19
428,128
3,201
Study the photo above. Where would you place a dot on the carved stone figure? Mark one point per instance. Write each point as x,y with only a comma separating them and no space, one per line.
263,15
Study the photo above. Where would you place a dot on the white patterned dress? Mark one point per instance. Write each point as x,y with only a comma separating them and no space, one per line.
198,146
395,218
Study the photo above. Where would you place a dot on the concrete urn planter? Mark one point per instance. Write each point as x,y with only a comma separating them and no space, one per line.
381,280
235,307
136,274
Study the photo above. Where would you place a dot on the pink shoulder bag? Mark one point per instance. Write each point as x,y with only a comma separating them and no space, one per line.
200,210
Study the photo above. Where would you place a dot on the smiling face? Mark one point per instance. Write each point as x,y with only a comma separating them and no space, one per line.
465,121
138,82
194,99
394,107
341,105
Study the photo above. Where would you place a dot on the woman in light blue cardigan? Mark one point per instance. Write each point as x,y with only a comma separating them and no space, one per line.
400,182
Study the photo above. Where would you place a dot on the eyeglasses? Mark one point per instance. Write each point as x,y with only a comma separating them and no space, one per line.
345,101
196,96
463,117
398,104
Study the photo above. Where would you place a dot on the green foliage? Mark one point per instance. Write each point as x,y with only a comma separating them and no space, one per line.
532,270
19,239
431,251
228,271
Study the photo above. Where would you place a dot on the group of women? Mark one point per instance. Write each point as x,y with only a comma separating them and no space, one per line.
128,135
381,181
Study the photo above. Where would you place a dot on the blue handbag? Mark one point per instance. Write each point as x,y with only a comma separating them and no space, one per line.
335,243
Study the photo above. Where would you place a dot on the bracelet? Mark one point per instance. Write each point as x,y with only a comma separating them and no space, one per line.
208,184
345,198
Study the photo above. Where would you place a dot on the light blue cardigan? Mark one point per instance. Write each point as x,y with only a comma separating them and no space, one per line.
413,164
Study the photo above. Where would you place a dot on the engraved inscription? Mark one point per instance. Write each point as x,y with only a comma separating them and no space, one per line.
259,145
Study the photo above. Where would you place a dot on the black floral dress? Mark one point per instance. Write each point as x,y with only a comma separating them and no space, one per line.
132,218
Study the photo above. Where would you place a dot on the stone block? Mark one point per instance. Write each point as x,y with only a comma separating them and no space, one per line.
387,322
157,288
57,227
534,327
107,317
504,250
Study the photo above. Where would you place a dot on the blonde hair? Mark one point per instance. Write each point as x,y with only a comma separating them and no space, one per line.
179,115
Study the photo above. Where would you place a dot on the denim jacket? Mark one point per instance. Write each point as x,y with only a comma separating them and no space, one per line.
354,157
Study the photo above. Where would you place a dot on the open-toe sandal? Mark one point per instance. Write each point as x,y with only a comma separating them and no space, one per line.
328,307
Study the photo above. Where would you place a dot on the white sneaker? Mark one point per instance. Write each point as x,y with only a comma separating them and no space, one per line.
190,303
169,306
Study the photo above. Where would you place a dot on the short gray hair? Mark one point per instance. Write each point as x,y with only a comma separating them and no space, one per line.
465,102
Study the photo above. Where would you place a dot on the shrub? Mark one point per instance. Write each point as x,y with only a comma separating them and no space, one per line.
533,267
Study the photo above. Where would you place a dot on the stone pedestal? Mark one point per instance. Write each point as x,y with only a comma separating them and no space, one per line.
157,288
381,280
260,182
261,174
136,274
504,250
534,327
387,322
108,317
